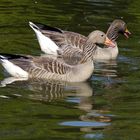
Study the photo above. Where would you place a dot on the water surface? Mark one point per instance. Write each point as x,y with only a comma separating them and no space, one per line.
106,107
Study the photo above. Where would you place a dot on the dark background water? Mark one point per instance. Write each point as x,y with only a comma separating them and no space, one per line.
107,107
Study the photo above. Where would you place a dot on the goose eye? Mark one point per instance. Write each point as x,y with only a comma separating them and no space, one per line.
102,35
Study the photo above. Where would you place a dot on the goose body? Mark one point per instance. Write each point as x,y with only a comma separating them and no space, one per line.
47,68
20,66
66,42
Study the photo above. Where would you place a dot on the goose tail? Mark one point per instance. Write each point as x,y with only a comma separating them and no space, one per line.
47,45
34,26
2,58
12,69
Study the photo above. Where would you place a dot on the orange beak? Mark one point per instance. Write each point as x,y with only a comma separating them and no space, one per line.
127,33
108,42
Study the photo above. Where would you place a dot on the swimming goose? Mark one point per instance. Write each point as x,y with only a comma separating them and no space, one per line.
20,66
56,41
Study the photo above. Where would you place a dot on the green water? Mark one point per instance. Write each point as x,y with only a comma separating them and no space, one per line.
107,107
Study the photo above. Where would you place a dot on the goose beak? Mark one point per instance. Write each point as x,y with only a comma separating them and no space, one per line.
108,42
127,33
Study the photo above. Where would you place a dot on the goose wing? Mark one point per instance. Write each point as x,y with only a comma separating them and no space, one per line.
51,65
66,38
30,64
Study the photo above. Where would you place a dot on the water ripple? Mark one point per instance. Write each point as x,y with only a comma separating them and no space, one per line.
84,124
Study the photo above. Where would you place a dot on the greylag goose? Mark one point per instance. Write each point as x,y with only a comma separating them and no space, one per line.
21,66
56,41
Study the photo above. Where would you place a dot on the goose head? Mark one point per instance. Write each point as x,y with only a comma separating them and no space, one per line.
98,37
117,26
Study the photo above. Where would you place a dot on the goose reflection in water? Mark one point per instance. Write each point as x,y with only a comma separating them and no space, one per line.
79,93
52,90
